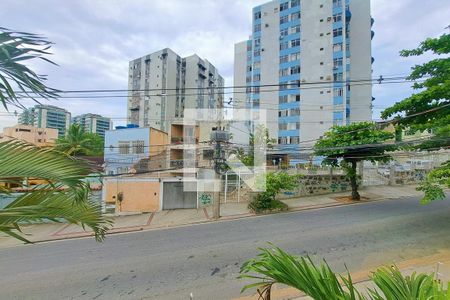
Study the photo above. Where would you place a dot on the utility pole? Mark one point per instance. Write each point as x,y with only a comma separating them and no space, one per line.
218,136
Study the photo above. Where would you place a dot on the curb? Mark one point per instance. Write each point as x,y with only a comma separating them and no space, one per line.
141,228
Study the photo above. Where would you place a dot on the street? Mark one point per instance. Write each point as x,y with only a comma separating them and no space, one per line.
205,259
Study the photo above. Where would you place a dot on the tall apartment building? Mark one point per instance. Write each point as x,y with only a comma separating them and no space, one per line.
46,116
93,123
301,63
163,84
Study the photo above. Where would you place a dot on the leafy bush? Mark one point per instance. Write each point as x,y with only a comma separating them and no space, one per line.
274,183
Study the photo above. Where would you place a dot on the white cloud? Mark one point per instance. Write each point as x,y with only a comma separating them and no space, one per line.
95,39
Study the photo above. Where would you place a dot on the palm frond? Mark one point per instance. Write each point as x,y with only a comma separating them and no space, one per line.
54,206
63,199
15,48
393,285
277,266
20,160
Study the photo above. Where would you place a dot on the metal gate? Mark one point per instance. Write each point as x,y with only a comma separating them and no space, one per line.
175,197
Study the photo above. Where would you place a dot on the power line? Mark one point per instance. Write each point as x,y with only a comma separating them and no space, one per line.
385,78
298,88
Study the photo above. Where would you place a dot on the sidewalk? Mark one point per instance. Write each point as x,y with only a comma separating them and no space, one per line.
438,263
173,218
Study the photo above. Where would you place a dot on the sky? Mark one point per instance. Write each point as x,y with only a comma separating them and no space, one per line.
94,41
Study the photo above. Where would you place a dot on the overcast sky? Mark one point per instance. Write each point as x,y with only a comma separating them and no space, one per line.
95,40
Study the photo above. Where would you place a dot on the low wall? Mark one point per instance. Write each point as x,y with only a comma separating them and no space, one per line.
410,177
318,185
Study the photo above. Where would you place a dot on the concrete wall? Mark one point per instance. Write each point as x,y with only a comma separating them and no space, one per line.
138,194
318,184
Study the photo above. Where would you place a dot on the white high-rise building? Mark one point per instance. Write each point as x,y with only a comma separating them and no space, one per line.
309,64
93,123
46,116
162,84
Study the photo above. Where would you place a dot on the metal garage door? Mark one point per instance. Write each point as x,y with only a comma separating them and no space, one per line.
174,196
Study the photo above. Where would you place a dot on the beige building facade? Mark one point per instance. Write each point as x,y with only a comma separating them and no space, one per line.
30,134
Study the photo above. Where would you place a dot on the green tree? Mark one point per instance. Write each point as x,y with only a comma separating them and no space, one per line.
345,146
320,282
429,108
274,183
64,195
77,142
259,137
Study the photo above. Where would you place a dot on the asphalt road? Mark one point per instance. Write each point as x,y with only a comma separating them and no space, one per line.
205,259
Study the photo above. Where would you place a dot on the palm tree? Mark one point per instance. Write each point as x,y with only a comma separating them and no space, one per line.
321,283
79,142
64,195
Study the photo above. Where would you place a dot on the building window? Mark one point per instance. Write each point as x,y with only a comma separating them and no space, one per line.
295,3
256,89
284,45
295,16
295,43
338,77
295,83
337,3
257,28
337,47
258,15
284,19
256,65
124,147
283,99
257,52
257,42
295,56
138,147
294,29
283,86
294,111
284,72
257,77
282,126
338,92
337,62
337,32
295,139
337,17
284,6
284,59
295,70
284,32
283,113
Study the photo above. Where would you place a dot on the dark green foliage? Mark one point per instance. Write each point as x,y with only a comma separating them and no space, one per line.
259,137
274,183
77,142
320,282
15,49
429,108
346,145
63,196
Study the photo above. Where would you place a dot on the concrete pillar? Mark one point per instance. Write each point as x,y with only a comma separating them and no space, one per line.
392,174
